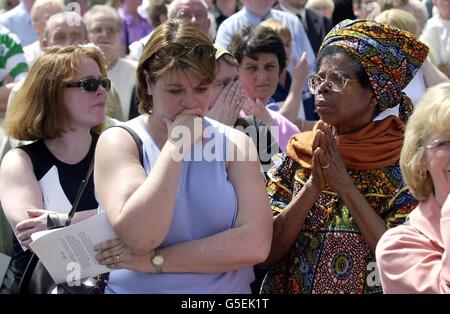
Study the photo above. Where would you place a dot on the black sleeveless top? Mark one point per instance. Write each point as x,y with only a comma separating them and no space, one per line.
70,176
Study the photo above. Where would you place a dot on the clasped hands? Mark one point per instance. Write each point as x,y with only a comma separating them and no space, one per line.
328,168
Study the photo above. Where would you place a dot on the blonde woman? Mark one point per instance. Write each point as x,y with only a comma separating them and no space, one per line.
414,257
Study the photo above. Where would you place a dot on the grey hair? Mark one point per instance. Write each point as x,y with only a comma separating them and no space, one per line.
102,9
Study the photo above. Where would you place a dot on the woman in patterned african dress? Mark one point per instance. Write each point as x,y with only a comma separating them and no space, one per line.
338,188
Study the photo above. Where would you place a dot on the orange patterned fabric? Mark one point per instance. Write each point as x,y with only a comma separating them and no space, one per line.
375,146
330,254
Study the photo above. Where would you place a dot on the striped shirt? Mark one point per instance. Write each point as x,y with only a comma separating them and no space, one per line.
12,58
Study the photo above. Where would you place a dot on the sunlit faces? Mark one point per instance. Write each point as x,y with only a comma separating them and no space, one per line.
103,29
349,109
105,33
40,17
259,77
194,11
438,163
226,73
177,91
86,109
61,33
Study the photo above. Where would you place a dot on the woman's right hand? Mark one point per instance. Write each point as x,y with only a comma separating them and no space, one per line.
258,109
187,127
228,104
317,180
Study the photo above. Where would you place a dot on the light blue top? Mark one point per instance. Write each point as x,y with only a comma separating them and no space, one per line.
18,21
300,41
206,204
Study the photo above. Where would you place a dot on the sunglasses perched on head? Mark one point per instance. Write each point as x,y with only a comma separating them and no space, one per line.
91,84
177,50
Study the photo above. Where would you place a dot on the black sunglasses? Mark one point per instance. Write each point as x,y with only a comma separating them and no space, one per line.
91,85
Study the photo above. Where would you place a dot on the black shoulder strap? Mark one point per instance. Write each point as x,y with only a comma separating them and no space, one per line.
83,185
136,139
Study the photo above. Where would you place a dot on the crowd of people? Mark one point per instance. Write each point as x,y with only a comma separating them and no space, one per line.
252,146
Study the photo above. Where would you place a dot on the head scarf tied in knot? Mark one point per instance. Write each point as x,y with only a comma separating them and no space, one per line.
390,56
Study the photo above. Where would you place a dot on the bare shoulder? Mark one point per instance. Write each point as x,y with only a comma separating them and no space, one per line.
117,157
15,160
116,141
16,169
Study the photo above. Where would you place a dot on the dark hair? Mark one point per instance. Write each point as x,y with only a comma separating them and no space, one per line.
249,41
358,69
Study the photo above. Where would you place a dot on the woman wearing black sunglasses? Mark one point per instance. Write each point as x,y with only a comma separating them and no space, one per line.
61,107
193,224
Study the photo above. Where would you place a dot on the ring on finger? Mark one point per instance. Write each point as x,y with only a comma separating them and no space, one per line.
117,258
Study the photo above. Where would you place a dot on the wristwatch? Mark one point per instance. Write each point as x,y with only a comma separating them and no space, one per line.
158,261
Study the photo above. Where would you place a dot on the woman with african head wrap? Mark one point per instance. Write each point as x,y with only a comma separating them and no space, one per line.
338,188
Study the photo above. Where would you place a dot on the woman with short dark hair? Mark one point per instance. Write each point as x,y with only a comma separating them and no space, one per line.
261,56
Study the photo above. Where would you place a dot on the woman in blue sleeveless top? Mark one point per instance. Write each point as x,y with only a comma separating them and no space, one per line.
194,216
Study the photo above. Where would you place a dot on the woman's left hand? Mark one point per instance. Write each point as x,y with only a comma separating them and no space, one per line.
116,255
300,70
333,167
36,222
228,104
258,109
